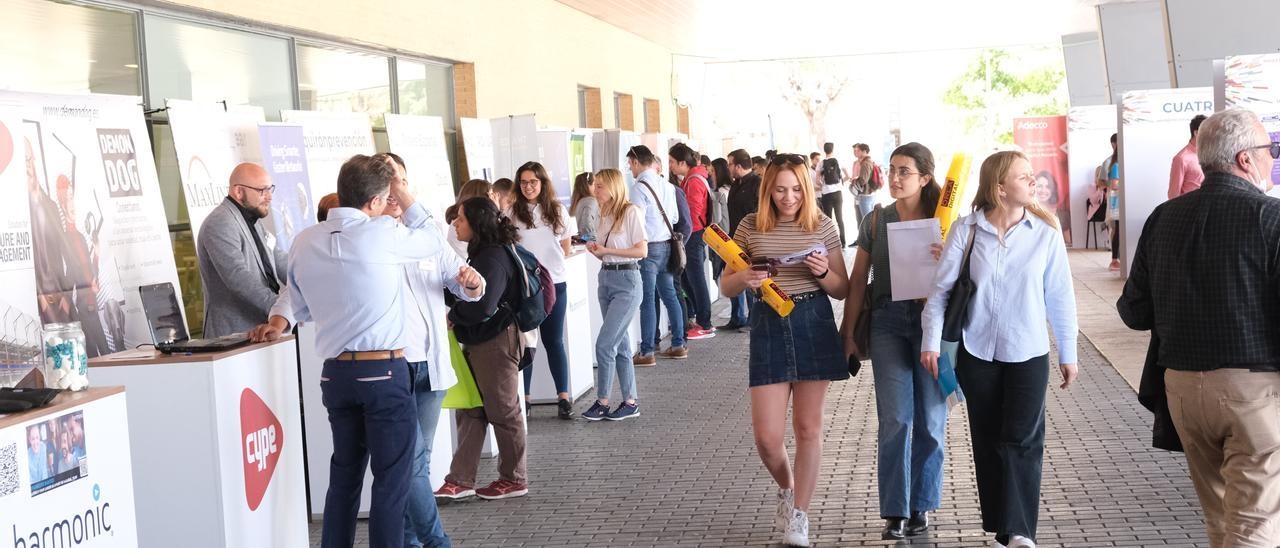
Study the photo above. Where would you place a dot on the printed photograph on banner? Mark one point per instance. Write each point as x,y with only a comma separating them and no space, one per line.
19,319
1044,140
56,453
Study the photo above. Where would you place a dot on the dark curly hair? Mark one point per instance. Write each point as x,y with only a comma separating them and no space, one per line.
488,226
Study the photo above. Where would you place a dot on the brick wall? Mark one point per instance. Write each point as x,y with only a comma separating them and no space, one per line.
652,116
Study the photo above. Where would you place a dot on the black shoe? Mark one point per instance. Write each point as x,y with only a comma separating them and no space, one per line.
894,529
566,409
918,524
731,326
528,409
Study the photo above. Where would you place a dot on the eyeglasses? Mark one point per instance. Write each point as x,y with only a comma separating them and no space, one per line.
530,182
1273,148
781,159
901,173
263,192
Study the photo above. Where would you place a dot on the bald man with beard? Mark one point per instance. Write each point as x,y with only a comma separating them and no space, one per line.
241,269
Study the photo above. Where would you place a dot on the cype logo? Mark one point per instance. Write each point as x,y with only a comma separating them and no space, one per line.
261,439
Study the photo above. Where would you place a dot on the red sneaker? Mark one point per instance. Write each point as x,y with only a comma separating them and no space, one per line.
502,489
698,333
453,491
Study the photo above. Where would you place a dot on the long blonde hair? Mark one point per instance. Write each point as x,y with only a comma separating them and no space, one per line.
992,174
616,186
767,212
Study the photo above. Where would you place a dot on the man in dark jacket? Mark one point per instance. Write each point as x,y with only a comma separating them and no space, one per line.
744,198
1204,281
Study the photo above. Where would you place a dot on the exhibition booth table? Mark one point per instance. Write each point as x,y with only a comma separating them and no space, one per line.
217,444
65,478
580,291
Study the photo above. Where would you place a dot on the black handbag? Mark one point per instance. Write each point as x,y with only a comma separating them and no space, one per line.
957,314
676,260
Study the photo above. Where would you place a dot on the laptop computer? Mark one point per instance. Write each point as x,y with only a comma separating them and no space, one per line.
169,329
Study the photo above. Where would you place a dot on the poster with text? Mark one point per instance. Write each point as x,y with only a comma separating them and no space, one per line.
1044,140
553,153
1253,82
515,141
477,143
293,207
1153,128
331,139
1089,131
19,320
98,226
211,139
419,140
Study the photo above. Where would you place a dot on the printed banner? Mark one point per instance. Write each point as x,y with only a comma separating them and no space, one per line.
1253,82
553,153
1044,140
477,143
1089,131
211,140
1154,127
515,141
97,220
419,140
293,207
331,139
19,319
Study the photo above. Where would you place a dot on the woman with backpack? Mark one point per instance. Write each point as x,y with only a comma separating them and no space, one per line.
620,243
910,407
540,219
491,342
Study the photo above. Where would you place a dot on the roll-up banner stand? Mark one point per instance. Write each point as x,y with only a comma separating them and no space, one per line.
96,214
1089,131
331,139
1044,140
419,140
211,139
1154,126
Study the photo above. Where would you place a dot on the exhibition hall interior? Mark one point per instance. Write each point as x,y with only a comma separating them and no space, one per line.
998,273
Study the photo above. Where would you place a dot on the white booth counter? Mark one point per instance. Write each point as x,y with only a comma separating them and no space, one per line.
217,445
65,477
580,290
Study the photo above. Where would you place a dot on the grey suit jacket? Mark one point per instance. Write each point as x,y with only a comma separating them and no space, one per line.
237,295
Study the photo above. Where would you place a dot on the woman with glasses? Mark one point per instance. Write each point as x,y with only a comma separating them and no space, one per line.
910,407
793,358
1019,264
543,231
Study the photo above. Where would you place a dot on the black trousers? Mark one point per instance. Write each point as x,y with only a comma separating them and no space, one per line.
833,206
1006,422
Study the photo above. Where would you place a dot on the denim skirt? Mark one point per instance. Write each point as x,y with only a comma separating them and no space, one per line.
804,346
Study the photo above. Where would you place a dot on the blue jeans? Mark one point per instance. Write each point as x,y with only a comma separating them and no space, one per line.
552,330
619,294
422,519
372,415
660,283
863,205
912,413
741,307
695,278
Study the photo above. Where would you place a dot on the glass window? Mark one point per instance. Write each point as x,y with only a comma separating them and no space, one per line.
209,64
344,81
582,106
426,89
62,48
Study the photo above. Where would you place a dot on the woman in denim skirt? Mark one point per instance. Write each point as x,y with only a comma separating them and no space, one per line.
793,358
909,404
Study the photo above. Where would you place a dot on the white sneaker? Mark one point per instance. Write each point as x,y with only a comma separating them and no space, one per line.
786,505
797,533
996,544
1019,541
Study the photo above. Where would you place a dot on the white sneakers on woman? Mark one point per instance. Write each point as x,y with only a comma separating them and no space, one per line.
786,504
797,533
1017,541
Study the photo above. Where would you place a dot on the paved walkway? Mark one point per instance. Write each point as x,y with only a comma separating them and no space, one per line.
686,472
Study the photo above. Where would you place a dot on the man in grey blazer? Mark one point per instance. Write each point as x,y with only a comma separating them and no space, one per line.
242,272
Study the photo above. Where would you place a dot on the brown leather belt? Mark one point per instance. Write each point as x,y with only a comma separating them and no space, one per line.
370,355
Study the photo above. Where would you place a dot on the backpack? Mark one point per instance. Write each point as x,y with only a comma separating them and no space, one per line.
537,295
876,180
831,171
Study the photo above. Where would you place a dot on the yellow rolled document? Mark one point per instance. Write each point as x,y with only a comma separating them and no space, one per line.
952,191
736,258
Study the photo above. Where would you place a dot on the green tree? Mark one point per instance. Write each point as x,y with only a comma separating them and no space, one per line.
992,91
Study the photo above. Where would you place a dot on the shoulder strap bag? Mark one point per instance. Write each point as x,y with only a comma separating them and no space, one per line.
957,314
676,260
862,327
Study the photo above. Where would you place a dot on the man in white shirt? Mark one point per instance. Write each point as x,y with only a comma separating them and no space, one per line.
658,201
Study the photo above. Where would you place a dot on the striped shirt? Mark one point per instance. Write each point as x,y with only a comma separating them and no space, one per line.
787,238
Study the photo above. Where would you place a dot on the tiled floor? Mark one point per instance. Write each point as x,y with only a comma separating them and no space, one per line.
686,472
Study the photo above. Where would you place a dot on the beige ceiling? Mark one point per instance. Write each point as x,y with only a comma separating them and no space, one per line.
773,29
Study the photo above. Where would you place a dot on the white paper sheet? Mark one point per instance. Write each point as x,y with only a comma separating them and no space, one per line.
911,262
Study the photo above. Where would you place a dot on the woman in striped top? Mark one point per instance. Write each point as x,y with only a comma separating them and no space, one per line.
794,357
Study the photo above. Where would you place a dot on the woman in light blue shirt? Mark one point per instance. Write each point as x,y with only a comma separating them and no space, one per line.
1019,265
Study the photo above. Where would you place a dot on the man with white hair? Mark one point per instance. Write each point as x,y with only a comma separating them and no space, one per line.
1204,280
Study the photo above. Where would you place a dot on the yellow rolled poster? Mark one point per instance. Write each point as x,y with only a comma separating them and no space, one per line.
952,191
736,258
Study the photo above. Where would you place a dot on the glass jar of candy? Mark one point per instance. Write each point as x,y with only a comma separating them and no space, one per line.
66,362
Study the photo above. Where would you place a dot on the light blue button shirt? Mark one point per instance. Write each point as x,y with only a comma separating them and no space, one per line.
347,275
654,226
1020,282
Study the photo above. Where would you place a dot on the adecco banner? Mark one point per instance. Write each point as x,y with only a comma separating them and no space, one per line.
1253,82
1153,128
19,320
419,140
66,479
1089,131
331,139
211,139
1044,140
97,220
